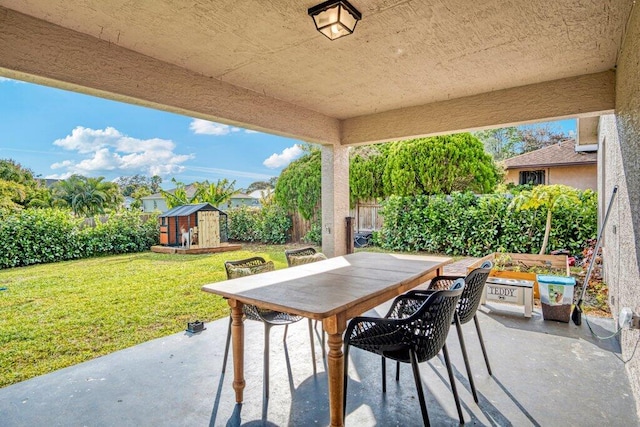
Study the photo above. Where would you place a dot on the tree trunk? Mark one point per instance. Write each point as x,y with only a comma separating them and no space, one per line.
547,231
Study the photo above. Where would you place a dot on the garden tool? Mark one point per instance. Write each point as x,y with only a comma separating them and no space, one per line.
576,316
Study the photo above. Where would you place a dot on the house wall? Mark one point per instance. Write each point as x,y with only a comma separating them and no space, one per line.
619,137
582,176
234,203
154,205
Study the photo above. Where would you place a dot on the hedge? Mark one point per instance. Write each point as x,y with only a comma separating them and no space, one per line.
466,224
37,236
269,224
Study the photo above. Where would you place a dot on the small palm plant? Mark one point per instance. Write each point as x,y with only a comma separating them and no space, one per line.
215,193
548,197
178,197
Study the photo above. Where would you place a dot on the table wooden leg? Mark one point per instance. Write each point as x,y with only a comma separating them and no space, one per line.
335,364
237,335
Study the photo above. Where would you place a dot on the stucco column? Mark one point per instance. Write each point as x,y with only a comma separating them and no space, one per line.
621,166
335,198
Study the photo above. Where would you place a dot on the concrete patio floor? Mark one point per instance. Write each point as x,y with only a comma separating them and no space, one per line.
545,374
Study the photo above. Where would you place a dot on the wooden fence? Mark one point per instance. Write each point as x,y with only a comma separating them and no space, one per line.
367,218
299,227
367,215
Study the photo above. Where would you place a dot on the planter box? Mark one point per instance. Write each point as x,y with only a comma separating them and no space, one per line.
560,262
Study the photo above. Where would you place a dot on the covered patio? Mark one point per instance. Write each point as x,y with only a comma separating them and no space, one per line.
411,68
544,373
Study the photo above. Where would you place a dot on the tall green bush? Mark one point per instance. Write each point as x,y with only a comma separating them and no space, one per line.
36,236
244,224
465,224
122,233
269,224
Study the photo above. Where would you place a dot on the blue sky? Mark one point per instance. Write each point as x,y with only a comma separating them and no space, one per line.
56,133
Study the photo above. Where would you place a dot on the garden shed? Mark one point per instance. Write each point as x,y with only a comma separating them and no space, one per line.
195,226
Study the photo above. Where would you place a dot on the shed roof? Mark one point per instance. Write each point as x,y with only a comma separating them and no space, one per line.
186,210
561,154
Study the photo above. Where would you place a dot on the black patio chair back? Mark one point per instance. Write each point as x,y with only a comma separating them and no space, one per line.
472,294
473,287
415,338
467,309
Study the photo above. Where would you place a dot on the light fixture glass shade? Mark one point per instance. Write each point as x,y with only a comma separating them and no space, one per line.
335,18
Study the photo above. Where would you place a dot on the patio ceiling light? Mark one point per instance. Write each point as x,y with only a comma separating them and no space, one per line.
335,18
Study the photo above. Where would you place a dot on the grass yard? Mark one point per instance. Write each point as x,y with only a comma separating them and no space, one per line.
57,315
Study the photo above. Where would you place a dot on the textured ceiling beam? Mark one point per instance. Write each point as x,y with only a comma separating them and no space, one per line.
580,96
43,53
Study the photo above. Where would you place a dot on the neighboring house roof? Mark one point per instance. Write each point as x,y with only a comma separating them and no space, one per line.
241,196
257,194
189,189
561,154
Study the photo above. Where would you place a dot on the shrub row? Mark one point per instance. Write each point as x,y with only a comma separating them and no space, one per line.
465,224
36,236
269,224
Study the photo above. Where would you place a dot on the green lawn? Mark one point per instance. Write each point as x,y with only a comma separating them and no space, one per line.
57,315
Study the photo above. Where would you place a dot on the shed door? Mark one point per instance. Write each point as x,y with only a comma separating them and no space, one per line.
208,229
164,235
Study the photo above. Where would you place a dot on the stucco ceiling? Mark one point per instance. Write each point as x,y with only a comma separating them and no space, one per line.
403,53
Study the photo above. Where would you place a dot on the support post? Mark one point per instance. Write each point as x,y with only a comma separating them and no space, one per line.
335,198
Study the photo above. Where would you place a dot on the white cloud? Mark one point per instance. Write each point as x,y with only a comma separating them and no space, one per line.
62,164
59,175
104,150
204,127
287,156
8,80
85,140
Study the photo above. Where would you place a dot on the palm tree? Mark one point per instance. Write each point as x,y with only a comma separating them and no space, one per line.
179,196
549,197
215,193
86,196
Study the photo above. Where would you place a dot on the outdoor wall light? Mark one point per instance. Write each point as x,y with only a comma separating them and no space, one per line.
335,18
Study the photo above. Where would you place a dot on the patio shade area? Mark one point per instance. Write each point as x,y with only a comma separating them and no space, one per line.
430,68
545,373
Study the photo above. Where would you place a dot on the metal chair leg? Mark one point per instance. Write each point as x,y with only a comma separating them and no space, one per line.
465,357
226,348
384,374
284,337
484,350
454,389
418,380
313,346
346,378
397,371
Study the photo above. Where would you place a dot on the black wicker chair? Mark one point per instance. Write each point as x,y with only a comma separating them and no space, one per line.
414,330
466,310
305,256
247,267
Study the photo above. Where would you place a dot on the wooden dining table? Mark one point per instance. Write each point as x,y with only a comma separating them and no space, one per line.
332,291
